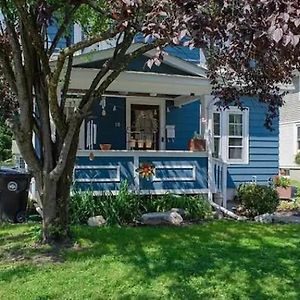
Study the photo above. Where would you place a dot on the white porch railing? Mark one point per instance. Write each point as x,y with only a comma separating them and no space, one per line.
217,176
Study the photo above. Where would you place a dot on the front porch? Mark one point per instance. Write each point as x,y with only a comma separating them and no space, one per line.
179,172
147,116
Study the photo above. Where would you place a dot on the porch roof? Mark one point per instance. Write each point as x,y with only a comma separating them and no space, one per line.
145,82
94,58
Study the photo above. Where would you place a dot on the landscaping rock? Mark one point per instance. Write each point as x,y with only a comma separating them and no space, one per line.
160,218
96,221
286,218
279,217
265,218
180,211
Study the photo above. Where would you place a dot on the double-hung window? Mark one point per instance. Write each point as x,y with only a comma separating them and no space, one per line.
217,134
298,137
230,135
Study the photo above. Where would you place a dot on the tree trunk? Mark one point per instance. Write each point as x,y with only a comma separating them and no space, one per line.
55,200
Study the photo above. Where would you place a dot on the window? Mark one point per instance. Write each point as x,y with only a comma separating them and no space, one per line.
235,136
298,137
217,134
230,135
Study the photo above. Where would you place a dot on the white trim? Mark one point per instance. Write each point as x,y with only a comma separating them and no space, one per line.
224,119
296,126
144,82
93,180
136,163
161,102
156,192
144,153
169,167
169,59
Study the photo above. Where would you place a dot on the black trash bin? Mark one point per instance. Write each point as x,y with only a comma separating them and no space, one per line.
14,186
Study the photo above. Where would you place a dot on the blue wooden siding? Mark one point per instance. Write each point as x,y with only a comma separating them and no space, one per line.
193,55
177,174
139,65
263,149
111,128
186,120
52,30
103,178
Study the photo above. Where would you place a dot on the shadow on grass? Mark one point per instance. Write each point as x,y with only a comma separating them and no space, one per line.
262,257
217,260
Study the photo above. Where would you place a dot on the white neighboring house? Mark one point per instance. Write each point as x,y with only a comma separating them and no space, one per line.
289,132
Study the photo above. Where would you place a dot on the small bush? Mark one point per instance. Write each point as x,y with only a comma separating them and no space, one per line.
257,199
195,207
281,181
82,206
297,158
289,205
123,208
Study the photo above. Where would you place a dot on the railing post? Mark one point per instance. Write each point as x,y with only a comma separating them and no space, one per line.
224,185
136,175
210,180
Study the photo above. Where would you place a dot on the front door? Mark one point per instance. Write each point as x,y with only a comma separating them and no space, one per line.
144,128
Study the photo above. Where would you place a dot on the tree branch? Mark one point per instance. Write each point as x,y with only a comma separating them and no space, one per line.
36,38
67,20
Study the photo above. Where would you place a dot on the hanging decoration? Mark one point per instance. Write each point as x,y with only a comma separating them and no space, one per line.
146,170
103,105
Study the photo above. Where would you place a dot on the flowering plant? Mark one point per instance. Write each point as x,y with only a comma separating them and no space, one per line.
146,170
281,181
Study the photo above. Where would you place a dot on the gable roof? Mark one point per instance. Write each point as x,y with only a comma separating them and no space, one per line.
94,59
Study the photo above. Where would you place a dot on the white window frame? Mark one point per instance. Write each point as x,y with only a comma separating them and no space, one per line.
297,139
224,143
161,102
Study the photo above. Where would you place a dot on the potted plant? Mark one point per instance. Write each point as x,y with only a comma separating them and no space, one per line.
283,187
197,143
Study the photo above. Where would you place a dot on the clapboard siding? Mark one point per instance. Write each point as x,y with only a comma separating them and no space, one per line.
290,112
186,120
263,149
111,128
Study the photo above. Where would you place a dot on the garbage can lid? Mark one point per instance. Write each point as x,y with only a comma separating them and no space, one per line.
4,171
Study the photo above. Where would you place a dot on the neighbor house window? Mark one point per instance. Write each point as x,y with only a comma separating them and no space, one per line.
298,138
230,135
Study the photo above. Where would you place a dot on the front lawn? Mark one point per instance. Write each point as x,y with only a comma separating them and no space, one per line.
218,260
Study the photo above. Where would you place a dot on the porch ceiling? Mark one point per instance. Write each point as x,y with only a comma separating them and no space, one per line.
140,82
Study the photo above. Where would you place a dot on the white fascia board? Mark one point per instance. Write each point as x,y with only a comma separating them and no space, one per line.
100,55
140,82
181,64
168,59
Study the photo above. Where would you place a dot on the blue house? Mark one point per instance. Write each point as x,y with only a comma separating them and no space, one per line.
146,120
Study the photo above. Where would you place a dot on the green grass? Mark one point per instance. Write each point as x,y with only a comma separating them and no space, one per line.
217,260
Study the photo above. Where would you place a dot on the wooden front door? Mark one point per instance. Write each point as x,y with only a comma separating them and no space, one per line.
144,127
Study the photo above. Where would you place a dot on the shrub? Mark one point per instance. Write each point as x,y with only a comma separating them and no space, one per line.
117,210
281,181
82,206
297,158
123,208
257,199
285,205
126,207
195,207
